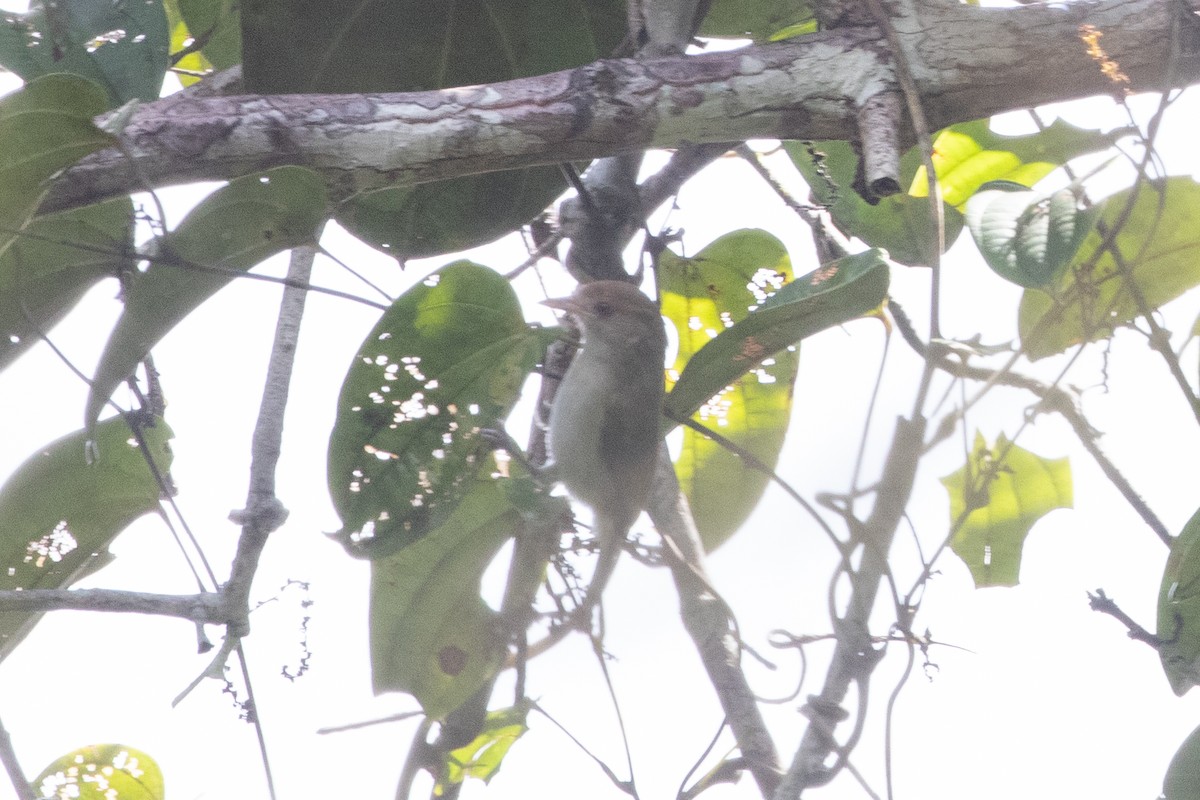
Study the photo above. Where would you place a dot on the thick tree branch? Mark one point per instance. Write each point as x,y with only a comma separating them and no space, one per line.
967,62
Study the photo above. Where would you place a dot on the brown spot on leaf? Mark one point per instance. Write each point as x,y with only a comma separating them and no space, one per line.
824,274
752,350
452,660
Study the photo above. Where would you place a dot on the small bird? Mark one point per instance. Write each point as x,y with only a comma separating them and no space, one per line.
604,429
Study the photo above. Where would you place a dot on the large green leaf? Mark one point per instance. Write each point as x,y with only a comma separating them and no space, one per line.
45,127
431,633
965,157
1179,610
47,268
1182,781
102,772
58,513
1002,491
1028,237
703,296
410,45
838,292
120,44
481,759
232,230
447,360
456,214
1159,241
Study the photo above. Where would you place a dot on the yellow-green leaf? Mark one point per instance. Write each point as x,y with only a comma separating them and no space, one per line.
703,296
998,496
1158,241
102,772
481,758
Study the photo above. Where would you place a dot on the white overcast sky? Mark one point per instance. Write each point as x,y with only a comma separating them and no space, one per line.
1035,696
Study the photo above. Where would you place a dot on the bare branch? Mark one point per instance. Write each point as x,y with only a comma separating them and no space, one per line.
707,620
207,608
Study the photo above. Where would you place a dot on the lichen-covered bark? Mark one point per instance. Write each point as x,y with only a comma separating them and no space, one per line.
968,62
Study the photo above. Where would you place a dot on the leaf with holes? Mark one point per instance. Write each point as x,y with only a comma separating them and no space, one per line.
58,513
230,231
1159,246
702,296
447,360
102,772
119,44
995,499
431,633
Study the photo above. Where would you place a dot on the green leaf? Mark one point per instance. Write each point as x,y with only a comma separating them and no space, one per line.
120,44
447,360
899,224
46,269
968,155
45,127
1179,610
412,45
1002,492
433,218
702,296
102,772
181,37
431,634
1159,240
838,292
1028,237
58,513
232,230
759,20
481,758
965,157
1182,781
217,23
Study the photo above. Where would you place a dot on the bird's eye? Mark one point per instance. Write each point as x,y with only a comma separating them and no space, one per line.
603,309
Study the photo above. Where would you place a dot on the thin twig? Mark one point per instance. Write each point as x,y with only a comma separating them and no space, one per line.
16,776
207,608
1053,399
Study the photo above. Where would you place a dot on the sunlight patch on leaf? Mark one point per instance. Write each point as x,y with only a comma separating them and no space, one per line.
102,772
1002,491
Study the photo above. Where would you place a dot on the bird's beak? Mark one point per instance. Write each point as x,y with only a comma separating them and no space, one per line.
568,304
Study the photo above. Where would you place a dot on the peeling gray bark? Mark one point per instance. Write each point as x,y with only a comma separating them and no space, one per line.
968,62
